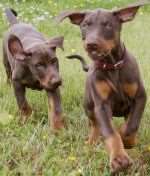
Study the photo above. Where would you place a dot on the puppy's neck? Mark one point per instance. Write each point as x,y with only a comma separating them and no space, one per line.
117,54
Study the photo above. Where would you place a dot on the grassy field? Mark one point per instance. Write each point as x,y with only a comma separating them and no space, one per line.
33,149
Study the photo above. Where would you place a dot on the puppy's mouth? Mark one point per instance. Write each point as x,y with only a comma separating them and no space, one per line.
53,87
95,55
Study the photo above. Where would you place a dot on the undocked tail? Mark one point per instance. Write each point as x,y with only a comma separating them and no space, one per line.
85,67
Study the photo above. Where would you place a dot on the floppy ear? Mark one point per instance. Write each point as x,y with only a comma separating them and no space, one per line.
74,16
56,42
16,49
128,13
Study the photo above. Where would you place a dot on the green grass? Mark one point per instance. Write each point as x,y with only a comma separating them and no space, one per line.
33,149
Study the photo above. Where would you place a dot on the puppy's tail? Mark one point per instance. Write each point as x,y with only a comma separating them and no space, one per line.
11,15
85,67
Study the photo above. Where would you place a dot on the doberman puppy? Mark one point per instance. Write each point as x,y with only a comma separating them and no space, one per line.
30,62
113,85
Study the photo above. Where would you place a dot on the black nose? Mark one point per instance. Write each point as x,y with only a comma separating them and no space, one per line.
92,46
56,82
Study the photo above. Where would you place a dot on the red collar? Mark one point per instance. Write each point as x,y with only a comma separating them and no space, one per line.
106,66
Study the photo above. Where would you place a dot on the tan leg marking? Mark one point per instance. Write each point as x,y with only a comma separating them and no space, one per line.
119,159
128,141
94,134
103,89
130,89
25,112
56,120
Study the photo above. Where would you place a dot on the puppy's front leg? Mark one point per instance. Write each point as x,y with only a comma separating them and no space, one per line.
25,109
119,159
55,110
129,130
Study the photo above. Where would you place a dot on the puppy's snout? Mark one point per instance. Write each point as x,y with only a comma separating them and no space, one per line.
56,82
92,46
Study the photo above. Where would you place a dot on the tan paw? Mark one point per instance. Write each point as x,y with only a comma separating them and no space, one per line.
93,136
120,162
26,110
25,114
58,124
90,141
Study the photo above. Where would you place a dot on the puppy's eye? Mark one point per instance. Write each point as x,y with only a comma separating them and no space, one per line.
40,65
28,54
107,25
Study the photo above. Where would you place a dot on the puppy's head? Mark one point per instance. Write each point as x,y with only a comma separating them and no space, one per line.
41,60
101,28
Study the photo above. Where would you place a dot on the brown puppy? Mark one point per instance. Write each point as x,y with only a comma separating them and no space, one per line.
30,62
113,86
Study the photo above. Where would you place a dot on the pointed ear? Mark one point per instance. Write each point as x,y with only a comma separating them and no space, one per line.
75,17
15,47
56,42
128,13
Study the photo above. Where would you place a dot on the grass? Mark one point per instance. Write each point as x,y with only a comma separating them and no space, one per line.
33,149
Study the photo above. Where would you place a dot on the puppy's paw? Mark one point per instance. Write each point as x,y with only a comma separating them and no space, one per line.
58,124
120,162
93,138
25,113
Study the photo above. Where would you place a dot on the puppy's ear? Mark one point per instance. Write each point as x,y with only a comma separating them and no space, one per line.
16,48
56,42
128,13
74,16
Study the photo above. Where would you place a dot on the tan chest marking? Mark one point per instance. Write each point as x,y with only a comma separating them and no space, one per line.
130,89
103,89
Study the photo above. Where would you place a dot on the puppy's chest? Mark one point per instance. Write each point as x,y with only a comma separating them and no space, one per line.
32,83
120,85
118,90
